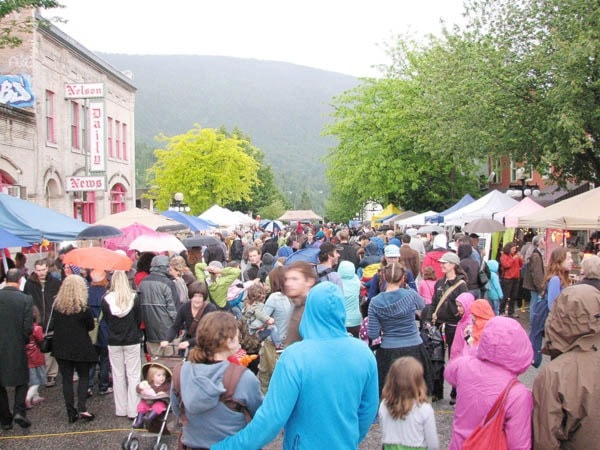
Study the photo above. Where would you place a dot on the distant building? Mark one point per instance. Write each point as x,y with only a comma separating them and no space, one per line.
66,125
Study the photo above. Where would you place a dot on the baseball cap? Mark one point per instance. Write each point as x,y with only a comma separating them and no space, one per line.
450,258
392,251
320,235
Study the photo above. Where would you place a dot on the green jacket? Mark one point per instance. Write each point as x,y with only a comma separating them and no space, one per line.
218,288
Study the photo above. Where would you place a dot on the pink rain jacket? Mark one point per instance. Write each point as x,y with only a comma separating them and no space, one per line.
460,343
504,352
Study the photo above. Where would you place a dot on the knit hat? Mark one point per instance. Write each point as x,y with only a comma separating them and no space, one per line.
216,264
392,251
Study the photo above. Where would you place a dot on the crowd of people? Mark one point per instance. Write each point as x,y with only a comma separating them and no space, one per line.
364,329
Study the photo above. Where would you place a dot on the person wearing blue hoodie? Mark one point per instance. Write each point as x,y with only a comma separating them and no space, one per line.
494,291
351,284
324,391
208,419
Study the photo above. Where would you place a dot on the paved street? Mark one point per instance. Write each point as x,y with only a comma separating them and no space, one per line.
50,429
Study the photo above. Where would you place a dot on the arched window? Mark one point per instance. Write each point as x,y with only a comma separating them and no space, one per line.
6,184
117,198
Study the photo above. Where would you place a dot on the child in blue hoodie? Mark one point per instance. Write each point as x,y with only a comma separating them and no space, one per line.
494,292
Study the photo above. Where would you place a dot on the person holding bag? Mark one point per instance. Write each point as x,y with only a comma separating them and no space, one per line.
504,353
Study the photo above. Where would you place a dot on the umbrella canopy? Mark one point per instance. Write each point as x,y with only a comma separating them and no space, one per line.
307,254
157,222
99,232
272,226
8,239
200,241
129,234
98,258
158,242
430,229
484,226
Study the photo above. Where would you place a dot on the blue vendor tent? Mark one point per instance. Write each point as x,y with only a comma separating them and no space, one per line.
439,218
193,223
32,222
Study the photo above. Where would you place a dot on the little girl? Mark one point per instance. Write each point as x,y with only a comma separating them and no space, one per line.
258,321
36,362
154,392
427,284
405,415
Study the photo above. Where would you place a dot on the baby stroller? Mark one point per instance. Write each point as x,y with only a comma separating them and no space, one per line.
158,427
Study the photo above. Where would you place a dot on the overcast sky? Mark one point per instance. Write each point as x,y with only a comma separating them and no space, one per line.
344,36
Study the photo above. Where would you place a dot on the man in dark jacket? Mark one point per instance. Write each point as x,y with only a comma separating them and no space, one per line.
43,288
236,252
533,280
347,252
16,318
158,297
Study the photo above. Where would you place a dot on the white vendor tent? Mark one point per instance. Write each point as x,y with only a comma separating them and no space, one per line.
581,212
487,207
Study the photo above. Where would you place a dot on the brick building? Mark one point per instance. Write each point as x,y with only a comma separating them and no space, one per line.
66,125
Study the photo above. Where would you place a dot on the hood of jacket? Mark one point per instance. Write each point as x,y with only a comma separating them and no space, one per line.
380,245
111,299
505,343
493,265
466,299
371,249
574,321
464,251
324,314
346,270
202,386
267,259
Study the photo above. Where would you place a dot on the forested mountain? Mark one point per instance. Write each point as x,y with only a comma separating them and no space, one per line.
282,107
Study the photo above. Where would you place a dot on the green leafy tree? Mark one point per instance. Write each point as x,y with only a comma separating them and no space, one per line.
206,166
380,155
11,28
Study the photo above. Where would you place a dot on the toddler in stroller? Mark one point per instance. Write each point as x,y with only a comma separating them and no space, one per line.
154,393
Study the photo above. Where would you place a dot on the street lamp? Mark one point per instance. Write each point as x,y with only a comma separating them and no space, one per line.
523,189
178,205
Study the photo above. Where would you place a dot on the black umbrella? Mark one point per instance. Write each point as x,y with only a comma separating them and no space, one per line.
99,232
200,241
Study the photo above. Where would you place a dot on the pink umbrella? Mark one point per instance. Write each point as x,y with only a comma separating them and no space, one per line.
130,233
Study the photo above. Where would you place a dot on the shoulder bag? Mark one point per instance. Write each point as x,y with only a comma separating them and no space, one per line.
445,295
46,344
490,434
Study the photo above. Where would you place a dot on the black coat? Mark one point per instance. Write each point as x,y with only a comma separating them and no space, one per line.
16,324
71,336
43,297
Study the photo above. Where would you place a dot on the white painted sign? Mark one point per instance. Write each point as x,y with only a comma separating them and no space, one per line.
84,90
97,161
85,184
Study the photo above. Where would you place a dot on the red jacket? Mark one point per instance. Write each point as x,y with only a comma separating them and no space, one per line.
511,266
35,358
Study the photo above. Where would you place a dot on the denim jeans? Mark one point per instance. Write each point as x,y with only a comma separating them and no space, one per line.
104,370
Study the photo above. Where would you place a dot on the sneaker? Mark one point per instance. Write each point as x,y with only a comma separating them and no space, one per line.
37,400
22,421
106,391
90,393
51,382
515,316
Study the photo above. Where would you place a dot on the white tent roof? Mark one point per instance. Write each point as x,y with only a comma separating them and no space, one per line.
484,208
419,219
225,217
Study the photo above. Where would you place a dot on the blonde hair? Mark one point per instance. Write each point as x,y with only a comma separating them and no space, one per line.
153,370
72,296
404,386
178,263
120,286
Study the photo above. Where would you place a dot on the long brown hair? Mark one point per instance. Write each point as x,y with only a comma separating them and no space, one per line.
557,257
404,386
214,329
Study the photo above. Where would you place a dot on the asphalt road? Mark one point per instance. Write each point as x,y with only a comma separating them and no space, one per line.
51,431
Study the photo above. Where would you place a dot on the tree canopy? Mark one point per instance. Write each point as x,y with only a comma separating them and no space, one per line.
207,166
520,80
10,30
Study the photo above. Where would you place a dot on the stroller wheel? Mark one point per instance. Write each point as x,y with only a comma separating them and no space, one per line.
130,444
160,446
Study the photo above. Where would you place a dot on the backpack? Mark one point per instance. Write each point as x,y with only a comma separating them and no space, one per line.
322,275
231,377
484,274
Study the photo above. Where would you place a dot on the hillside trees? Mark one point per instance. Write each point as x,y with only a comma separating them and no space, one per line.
207,166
